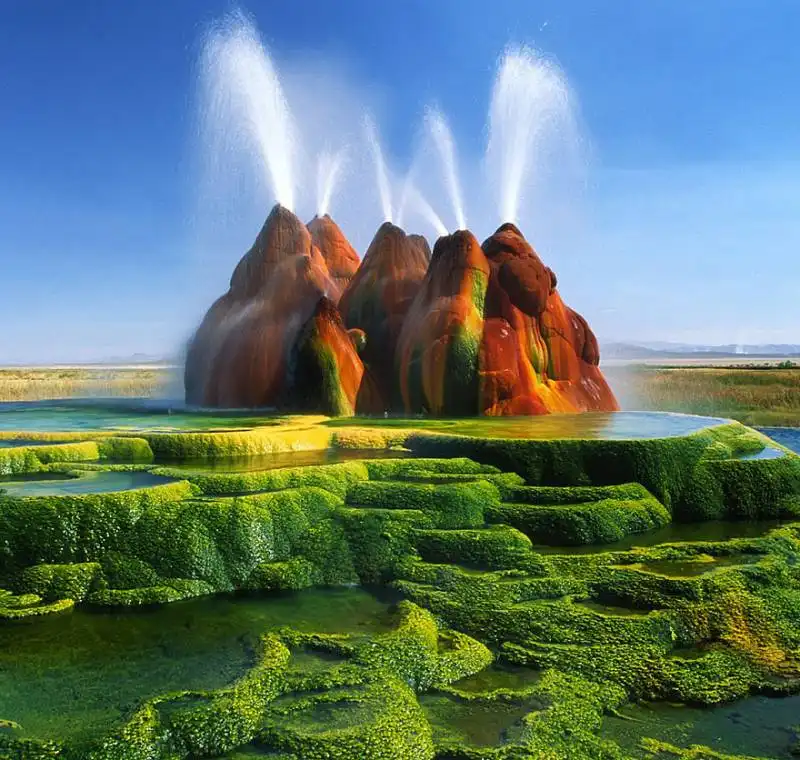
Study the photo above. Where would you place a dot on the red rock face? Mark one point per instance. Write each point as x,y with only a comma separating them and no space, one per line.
437,353
466,330
377,300
241,354
556,353
340,257
325,364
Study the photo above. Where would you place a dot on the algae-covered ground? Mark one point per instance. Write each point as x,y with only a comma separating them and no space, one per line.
298,588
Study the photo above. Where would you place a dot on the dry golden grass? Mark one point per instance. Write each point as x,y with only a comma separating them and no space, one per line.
35,384
768,396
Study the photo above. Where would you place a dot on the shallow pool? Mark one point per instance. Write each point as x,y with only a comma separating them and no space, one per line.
758,726
595,425
714,530
163,415
53,484
286,459
124,415
789,437
76,676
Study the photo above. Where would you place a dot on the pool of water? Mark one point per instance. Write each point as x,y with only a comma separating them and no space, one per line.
56,484
124,415
789,437
76,676
19,442
499,676
286,459
715,530
480,724
768,452
600,425
611,610
757,726
691,568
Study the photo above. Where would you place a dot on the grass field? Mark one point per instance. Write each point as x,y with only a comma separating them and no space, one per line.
37,383
755,396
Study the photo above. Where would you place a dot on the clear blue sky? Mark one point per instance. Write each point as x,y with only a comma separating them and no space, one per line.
688,229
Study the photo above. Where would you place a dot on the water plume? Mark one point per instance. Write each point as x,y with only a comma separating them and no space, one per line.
416,199
329,168
245,102
442,137
381,173
531,106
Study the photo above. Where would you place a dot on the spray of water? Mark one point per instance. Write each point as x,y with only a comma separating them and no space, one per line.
439,131
245,102
329,168
531,105
415,198
380,167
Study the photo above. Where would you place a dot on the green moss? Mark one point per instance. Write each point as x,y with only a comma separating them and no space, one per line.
292,575
15,461
335,478
455,505
496,547
593,522
54,582
126,449
453,533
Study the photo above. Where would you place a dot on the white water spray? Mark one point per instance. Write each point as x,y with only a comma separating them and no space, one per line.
329,168
245,101
442,137
382,175
413,196
531,105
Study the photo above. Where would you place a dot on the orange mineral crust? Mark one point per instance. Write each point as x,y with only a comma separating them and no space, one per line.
465,330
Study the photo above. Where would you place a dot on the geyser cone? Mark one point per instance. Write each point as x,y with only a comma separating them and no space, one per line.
421,242
340,257
377,300
283,236
241,355
537,355
325,370
521,273
437,353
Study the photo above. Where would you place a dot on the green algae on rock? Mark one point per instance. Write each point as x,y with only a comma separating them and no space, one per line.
670,576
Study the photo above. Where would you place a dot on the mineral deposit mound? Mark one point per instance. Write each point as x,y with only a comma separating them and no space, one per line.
467,330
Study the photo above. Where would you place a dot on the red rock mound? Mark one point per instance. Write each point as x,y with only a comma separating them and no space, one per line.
466,330
537,354
377,300
340,257
437,353
243,351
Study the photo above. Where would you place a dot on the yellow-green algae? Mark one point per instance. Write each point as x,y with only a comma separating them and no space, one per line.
454,531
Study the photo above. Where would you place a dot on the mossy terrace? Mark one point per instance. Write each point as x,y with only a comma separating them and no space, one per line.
510,640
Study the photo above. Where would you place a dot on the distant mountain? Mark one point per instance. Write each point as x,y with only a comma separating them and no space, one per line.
666,350
137,358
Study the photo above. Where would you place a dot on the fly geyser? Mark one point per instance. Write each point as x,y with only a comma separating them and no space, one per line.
463,330
469,329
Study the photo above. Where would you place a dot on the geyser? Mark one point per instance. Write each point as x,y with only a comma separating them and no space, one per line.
439,131
245,102
381,173
531,107
329,167
469,329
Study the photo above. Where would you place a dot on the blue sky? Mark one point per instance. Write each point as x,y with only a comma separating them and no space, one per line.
685,225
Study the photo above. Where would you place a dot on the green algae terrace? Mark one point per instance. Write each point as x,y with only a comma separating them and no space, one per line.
603,587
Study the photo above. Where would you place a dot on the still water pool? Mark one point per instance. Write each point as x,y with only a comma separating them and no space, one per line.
78,675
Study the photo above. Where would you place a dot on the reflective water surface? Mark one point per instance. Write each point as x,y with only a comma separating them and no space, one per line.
75,676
